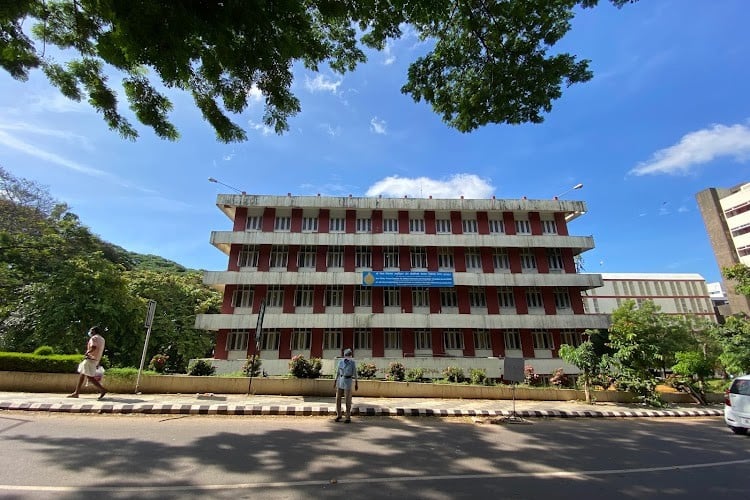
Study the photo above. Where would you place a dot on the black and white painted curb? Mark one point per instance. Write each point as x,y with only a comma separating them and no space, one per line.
225,409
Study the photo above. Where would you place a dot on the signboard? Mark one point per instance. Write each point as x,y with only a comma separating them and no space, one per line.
407,278
513,370
150,314
259,324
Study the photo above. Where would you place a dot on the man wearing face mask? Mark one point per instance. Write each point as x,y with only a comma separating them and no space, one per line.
87,368
346,373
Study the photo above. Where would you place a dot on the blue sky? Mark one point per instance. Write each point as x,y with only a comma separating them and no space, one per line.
665,116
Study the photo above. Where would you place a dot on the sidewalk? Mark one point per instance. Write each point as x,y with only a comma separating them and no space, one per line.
241,404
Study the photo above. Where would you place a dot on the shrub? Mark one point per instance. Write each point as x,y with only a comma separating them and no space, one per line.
453,374
201,368
367,370
396,371
158,363
27,362
415,374
559,378
248,370
302,368
44,350
531,377
478,376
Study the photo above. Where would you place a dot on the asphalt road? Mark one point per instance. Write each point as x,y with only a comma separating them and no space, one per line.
157,456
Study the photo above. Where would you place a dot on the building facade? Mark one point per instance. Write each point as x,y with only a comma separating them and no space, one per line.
513,289
726,214
676,294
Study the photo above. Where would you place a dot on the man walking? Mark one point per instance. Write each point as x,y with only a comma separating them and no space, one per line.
87,368
345,373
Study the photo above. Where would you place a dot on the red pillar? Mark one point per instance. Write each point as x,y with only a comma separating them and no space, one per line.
264,258
288,299
220,349
535,221
348,299
269,219
234,254
562,225
429,222
509,222
468,334
542,264
316,343
497,340
285,343
378,345
438,348
348,338
483,223
527,344
319,296
519,294
548,299
462,296
435,307
377,221
295,225
493,306
514,259
456,225
226,304
459,259
407,342
240,219
377,299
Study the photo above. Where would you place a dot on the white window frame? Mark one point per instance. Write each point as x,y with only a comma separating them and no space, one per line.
279,257
275,296
309,224
473,258
469,226
416,225
304,296
420,297
453,340
282,223
443,226
500,259
238,340
335,257
549,226
418,257
364,225
422,340
506,298
362,340
391,296
497,226
555,260
477,297
243,296
391,257
448,297
270,340
542,339
254,223
248,256
445,258
334,296
512,339
332,339
392,338
307,257
362,296
562,299
534,299
571,338
363,257
337,225
390,225
523,226
482,340
300,340
528,260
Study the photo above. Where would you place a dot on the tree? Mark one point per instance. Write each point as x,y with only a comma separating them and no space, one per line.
734,338
489,63
585,358
740,273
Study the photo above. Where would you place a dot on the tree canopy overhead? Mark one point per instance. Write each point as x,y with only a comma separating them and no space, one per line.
489,61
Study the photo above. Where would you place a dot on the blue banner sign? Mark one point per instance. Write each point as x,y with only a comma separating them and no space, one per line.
407,278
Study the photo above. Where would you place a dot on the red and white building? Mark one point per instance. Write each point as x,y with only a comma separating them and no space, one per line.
515,290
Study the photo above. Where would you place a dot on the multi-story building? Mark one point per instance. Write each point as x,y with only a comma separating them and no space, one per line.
426,282
677,294
726,213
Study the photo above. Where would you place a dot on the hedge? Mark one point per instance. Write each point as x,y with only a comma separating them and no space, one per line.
27,362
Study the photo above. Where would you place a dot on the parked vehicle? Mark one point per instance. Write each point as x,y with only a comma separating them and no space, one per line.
737,405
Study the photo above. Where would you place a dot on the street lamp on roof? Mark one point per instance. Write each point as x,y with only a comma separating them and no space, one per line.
577,186
212,179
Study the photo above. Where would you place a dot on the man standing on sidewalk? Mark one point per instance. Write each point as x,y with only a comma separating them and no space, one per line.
87,368
345,372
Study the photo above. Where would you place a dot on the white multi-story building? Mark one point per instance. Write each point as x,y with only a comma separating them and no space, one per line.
426,282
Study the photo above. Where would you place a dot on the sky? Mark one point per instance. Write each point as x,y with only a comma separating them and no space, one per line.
665,116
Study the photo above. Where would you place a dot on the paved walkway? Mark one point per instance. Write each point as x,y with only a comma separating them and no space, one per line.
241,404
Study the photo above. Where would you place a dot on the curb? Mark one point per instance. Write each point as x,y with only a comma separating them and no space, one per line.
224,409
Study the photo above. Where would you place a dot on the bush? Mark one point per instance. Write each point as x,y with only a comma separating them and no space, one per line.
531,377
302,368
44,350
158,363
453,374
415,374
396,371
201,368
478,376
27,362
367,370
248,370
559,378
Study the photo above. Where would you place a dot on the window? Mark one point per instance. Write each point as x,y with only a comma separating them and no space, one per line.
528,259
363,257
422,340
391,296
336,225
482,340
331,339
500,260
363,296
390,225
416,225
420,297
497,226
335,257
448,297
469,225
743,251
300,339
275,297
443,226
243,296
453,339
282,224
737,209
362,339
512,339
445,258
309,224
506,298
279,256
418,258
523,227
562,298
477,297
743,229
542,339
254,223
237,340
534,298
306,257
555,259
364,225
304,296
248,256
269,340
334,296
549,227
391,339
390,257
473,259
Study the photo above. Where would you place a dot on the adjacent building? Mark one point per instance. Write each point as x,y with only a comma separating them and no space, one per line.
427,282
726,213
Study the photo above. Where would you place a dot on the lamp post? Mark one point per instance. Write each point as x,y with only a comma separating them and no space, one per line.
211,179
577,186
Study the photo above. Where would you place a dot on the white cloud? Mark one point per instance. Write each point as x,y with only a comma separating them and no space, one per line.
61,134
11,142
378,126
469,186
260,127
254,94
57,103
697,148
321,83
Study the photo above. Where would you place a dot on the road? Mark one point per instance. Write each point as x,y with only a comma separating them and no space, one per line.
161,456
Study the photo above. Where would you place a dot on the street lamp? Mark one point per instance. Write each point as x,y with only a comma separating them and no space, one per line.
211,179
577,186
